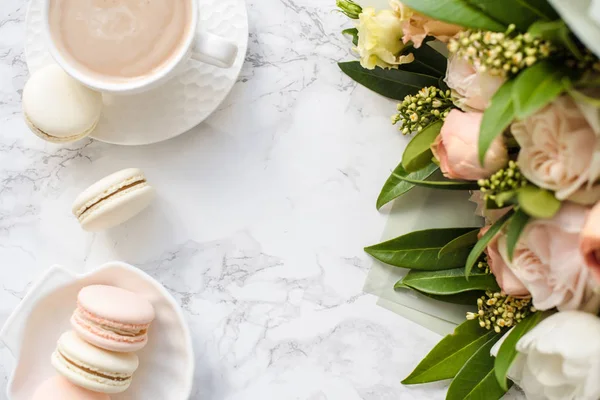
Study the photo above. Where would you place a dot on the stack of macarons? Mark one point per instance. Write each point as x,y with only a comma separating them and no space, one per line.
97,357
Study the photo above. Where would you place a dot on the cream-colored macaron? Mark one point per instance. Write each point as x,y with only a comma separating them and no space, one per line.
91,367
113,200
59,109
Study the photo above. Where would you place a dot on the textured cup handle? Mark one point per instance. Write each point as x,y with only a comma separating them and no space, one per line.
14,328
214,50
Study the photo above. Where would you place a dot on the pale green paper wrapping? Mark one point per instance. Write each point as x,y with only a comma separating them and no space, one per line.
421,209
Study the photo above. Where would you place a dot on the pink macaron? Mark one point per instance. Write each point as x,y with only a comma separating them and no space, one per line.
58,388
112,318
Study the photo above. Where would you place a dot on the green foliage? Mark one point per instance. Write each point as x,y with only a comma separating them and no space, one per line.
515,228
508,350
444,185
538,202
393,83
419,250
447,358
496,118
476,380
449,281
459,12
480,246
417,154
353,33
538,86
395,187
467,240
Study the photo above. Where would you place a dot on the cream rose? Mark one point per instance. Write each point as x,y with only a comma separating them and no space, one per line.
472,89
557,151
559,359
380,39
590,242
548,262
416,27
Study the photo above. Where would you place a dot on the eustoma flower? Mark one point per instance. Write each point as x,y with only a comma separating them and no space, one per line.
457,150
380,39
559,359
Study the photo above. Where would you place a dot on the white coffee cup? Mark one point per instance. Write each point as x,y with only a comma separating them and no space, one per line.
198,45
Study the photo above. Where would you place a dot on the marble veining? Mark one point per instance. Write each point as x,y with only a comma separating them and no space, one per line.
259,224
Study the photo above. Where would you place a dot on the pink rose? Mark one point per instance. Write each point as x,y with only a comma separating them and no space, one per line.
557,151
416,27
590,242
456,148
472,89
506,278
548,262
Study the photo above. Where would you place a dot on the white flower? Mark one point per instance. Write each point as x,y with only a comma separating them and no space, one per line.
380,39
559,359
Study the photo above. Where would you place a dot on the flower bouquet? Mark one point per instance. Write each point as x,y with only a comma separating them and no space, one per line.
509,111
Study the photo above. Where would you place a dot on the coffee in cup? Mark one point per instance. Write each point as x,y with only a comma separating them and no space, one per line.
119,39
129,46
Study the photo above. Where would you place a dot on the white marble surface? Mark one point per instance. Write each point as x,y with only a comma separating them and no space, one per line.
260,222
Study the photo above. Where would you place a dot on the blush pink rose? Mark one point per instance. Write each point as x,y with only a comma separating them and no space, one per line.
506,278
557,151
416,27
548,262
590,242
456,148
471,88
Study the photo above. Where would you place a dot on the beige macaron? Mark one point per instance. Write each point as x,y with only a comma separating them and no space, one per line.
59,109
113,200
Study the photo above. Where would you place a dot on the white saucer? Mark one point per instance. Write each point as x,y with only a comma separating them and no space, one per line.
178,105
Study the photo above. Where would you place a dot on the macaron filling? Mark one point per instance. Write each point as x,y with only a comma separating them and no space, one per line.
130,333
73,365
117,190
51,138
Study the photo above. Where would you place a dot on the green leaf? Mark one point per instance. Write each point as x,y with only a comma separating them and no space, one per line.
476,380
485,240
352,32
395,187
444,185
446,359
465,241
513,233
496,118
585,97
419,250
393,83
558,33
417,154
538,86
516,12
508,349
427,61
542,7
459,12
538,202
450,281
463,299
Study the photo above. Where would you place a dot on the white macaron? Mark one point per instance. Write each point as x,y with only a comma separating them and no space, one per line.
113,200
59,109
91,367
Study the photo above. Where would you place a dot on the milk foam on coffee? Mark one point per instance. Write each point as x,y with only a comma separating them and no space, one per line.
119,38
